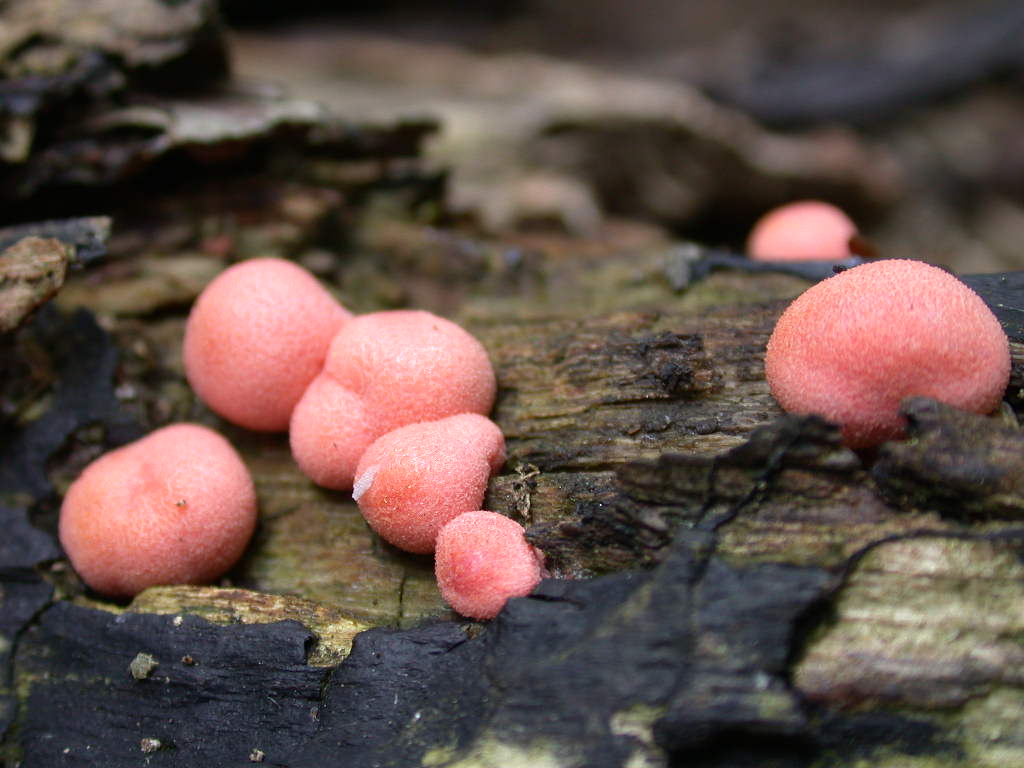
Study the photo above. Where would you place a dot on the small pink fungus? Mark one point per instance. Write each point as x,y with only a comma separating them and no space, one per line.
802,231
256,338
852,347
385,370
482,560
176,507
414,479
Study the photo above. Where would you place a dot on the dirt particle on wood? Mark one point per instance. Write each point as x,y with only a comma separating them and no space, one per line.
142,666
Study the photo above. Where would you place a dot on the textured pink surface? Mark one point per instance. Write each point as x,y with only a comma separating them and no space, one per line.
851,347
414,479
330,430
176,507
256,337
482,560
389,369
801,231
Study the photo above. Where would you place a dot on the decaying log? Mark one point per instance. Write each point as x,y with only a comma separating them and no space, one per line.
633,437
733,586
635,666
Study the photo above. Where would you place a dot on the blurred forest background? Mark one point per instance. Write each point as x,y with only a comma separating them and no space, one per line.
910,112
689,117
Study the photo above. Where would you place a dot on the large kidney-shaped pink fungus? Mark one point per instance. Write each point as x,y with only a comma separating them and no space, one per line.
255,339
482,560
385,370
414,479
852,347
176,507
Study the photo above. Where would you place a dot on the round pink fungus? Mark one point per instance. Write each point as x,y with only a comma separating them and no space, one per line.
482,560
852,347
256,337
176,507
803,231
384,370
414,479
330,431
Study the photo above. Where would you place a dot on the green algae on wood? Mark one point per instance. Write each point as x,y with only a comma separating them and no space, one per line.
315,544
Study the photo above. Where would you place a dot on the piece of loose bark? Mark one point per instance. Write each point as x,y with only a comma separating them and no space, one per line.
961,463
31,272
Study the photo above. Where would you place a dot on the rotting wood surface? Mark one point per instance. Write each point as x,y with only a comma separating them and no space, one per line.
626,430
790,598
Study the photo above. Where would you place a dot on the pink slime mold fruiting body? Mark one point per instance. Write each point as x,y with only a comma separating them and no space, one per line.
414,479
176,507
482,560
255,339
385,370
802,231
852,347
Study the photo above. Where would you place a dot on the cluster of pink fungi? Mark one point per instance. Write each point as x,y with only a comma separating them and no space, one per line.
851,347
393,406
390,404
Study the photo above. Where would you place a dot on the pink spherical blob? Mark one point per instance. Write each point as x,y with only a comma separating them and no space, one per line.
482,560
176,507
414,479
385,370
256,338
803,231
852,347
330,431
